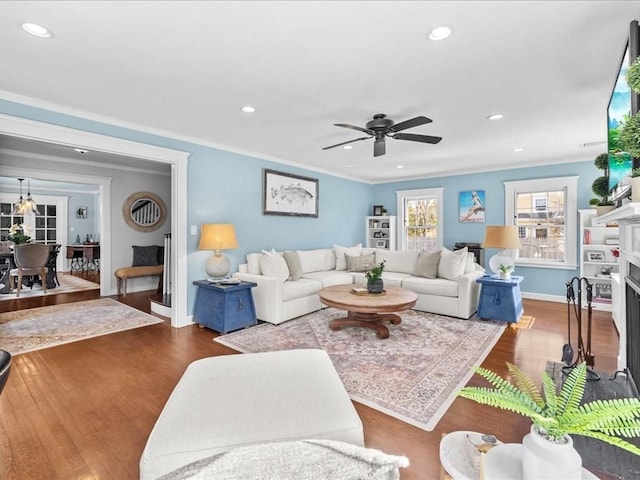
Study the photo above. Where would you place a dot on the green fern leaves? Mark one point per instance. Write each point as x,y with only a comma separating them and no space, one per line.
560,414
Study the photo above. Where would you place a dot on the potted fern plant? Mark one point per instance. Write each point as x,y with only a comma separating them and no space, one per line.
374,282
547,450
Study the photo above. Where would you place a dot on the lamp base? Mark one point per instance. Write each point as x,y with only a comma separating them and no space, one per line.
501,258
217,265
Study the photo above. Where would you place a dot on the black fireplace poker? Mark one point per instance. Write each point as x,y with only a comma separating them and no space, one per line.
584,354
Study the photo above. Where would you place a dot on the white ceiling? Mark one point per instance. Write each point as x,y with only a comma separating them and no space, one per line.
184,69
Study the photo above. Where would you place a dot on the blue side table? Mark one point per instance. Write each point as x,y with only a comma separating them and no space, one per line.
500,299
224,308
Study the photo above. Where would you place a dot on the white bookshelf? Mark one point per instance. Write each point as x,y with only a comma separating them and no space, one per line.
381,232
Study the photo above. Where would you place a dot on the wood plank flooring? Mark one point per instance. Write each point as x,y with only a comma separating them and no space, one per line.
84,410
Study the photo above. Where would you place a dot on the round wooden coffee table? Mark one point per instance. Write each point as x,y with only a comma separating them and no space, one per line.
367,310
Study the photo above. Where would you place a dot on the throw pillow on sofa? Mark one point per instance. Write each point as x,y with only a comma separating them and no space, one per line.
341,261
293,264
360,263
427,264
451,265
272,264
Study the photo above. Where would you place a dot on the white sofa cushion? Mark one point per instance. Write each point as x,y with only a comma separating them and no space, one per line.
397,261
253,263
451,264
360,263
330,277
431,286
299,289
341,261
272,264
314,260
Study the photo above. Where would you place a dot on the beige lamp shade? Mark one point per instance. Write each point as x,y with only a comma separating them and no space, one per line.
217,237
502,237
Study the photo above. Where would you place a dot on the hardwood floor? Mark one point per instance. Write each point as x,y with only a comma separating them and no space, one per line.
84,410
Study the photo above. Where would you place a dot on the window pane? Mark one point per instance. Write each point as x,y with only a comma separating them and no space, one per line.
421,224
5,208
540,220
51,210
40,222
51,223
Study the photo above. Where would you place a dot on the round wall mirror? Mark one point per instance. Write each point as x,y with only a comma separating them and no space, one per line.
144,211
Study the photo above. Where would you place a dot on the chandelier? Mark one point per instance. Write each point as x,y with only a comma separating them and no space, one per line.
25,207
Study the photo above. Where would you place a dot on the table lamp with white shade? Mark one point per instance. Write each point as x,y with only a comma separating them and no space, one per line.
217,237
502,237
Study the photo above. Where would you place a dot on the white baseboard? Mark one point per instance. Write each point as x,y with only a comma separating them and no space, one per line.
544,297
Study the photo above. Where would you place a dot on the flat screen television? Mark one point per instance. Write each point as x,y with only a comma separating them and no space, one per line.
623,103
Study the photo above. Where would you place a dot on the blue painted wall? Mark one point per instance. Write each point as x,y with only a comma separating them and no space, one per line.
227,187
536,280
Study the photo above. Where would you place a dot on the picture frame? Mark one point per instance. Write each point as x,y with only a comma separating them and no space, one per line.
381,244
289,195
385,224
377,234
82,211
377,210
472,207
595,256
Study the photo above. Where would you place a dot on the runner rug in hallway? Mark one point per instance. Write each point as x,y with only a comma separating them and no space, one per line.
35,328
68,284
413,375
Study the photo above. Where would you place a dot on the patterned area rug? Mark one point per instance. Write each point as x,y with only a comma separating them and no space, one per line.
68,284
36,328
413,375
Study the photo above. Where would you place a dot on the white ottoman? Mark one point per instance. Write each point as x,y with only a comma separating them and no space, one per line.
236,400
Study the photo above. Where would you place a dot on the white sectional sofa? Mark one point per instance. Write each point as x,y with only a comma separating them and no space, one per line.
288,282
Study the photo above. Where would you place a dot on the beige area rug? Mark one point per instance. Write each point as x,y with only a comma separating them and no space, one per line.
36,328
68,284
413,375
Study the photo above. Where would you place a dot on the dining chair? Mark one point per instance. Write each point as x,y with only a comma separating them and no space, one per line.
30,259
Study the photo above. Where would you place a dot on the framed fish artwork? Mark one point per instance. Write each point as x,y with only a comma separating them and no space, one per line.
287,194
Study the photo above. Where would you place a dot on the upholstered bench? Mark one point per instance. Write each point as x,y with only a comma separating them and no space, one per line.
230,401
124,273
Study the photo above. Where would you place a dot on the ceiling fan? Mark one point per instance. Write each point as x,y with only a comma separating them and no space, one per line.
381,127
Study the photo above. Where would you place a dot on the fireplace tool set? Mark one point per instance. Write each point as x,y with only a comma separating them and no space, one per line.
567,350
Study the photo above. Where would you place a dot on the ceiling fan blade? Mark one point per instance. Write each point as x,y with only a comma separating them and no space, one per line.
344,143
379,148
413,122
417,138
353,127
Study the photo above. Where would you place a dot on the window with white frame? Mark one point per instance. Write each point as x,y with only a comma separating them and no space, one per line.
544,210
420,219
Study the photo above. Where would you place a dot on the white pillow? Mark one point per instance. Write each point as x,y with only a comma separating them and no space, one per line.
272,264
451,265
341,261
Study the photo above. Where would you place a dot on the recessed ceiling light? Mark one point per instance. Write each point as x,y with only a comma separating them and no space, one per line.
36,30
399,166
440,33
81,150
248,109
495,116
348,166
518,149
347,147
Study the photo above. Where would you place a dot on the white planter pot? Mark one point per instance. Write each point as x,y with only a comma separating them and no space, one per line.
505,275
543,459
601,210
635,189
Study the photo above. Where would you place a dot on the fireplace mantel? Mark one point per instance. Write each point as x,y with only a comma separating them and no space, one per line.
628,219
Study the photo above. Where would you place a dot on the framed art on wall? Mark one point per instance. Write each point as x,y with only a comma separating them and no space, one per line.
81,212
287,194
472,207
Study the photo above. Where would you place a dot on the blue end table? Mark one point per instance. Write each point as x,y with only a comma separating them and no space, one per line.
500,299
224,308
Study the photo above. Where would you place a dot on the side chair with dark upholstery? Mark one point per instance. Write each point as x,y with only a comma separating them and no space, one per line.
30,259
5,366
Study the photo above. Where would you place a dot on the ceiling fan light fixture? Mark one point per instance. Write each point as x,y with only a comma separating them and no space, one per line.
440,32
37,30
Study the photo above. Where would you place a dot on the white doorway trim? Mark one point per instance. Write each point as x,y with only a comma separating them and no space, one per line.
44,132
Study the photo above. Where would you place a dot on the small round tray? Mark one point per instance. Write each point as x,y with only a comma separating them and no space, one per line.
368,294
